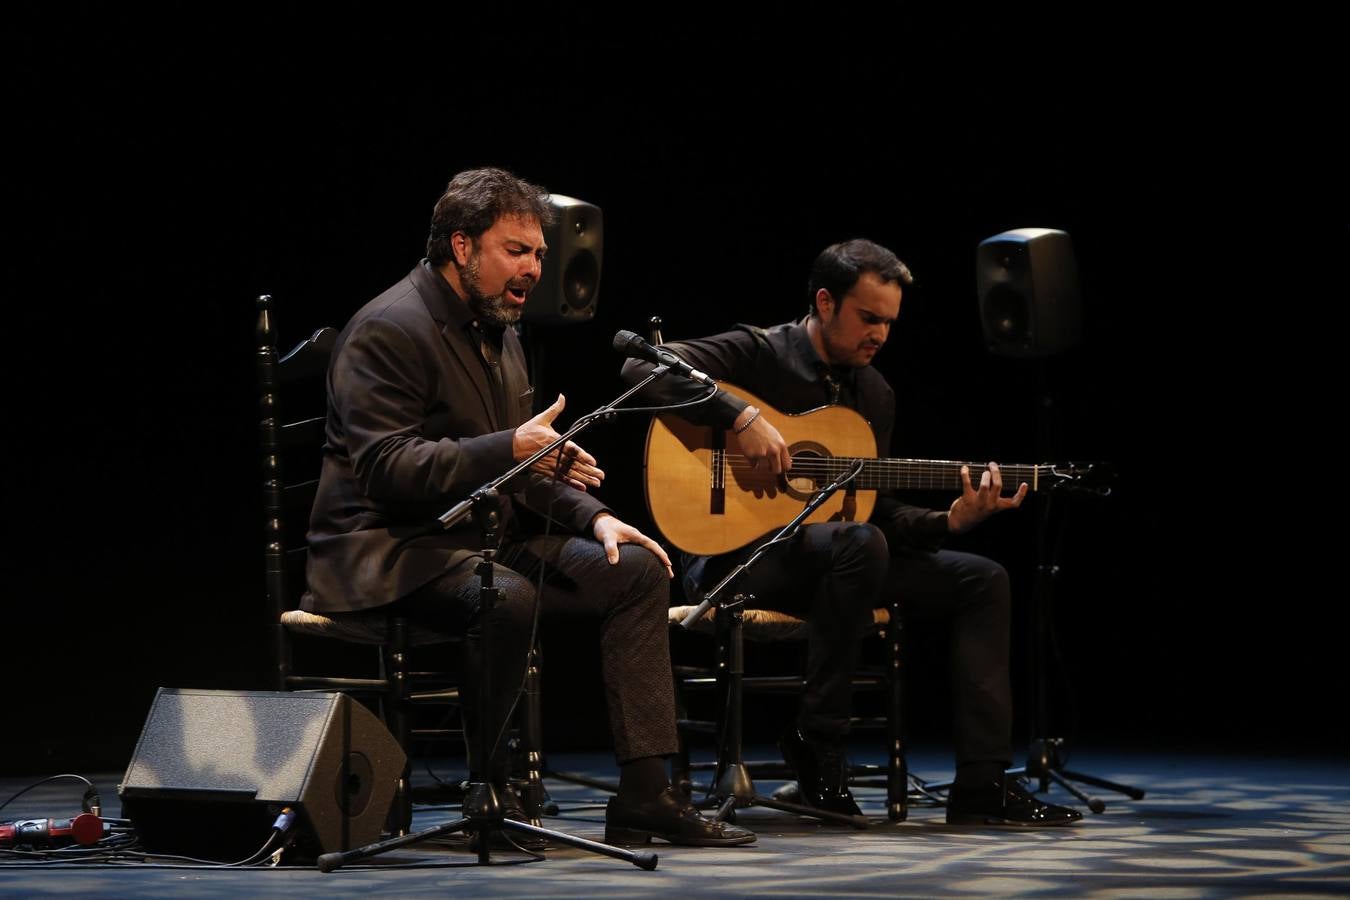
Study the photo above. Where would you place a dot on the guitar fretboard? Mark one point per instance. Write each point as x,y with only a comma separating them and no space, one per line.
880,474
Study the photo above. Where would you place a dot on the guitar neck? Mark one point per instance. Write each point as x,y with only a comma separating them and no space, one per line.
918,474
906,474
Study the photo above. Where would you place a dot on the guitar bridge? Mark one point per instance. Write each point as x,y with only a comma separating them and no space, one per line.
717,497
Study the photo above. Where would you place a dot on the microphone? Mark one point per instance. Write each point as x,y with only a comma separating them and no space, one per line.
634,347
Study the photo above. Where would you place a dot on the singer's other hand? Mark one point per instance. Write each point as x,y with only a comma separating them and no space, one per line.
611,532
574,466
761,443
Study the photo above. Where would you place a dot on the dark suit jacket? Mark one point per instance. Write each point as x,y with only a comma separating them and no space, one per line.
412,429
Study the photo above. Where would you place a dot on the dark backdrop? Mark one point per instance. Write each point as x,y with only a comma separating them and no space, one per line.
159,183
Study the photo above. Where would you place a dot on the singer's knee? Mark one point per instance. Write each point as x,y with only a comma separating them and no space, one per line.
638,580
515,608
640,568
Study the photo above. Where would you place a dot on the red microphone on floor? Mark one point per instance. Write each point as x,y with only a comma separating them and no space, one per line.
85,829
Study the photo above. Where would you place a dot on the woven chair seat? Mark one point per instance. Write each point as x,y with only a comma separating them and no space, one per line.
764,625
357,628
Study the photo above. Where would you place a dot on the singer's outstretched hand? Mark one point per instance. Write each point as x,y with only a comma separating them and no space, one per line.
611,531
576,467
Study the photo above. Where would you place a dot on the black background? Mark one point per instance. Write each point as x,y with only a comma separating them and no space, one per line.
164,172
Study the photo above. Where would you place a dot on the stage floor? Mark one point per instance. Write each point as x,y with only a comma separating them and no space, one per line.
1209,825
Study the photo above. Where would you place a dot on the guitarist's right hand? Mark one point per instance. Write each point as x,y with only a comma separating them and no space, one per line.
761,442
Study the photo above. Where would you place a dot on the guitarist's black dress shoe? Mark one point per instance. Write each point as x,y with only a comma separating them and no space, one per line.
670,817
822,772
1004,802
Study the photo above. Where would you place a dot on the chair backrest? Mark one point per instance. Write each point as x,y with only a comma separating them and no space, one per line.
292,406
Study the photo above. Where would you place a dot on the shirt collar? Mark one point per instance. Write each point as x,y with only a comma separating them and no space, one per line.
807,362
457,308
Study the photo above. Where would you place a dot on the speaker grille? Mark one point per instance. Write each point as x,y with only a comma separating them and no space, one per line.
569,288
1027,282
257,744
213,768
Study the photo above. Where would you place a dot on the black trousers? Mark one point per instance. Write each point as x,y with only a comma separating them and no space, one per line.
630,599
835,573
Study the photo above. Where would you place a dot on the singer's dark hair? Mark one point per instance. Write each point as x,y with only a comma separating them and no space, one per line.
839,266
477,198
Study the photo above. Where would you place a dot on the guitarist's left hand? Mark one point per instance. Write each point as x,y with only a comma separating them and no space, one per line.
976,505
610,531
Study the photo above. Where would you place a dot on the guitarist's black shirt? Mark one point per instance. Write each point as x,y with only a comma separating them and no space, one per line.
780,365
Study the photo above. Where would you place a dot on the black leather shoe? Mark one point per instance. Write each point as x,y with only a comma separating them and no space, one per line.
1004,802
822,772
502,840
670,817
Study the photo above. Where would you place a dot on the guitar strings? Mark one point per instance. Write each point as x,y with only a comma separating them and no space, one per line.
881,472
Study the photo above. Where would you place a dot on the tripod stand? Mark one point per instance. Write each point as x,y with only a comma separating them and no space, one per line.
482,810
733,787
1045,756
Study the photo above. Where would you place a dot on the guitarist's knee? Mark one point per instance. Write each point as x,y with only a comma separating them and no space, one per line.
861,544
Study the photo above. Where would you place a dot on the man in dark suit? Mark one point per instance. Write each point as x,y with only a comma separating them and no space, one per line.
846,567
428,400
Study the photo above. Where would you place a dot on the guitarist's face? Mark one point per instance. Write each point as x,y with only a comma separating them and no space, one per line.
853,329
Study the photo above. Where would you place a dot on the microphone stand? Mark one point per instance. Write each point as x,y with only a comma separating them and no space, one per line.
733,787
457,513
481,810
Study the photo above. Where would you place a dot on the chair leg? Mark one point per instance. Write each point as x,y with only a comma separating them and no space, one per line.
397,713
681,775
897,770
533,796
281,654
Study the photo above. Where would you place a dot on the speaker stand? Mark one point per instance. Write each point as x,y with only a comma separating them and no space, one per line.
1045,755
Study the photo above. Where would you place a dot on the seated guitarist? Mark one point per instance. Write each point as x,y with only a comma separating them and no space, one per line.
855,291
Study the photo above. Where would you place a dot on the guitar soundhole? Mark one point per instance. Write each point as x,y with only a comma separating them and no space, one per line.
801,481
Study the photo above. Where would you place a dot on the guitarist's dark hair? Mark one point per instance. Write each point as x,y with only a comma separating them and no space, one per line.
839,266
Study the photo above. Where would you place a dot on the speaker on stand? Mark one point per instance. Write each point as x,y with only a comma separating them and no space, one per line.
569,287
1030,308
1027,280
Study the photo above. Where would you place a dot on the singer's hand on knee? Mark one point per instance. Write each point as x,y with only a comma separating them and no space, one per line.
611,532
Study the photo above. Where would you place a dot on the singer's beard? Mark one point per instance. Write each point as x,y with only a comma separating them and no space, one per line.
492,307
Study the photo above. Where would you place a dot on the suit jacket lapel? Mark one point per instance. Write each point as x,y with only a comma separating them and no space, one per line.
514,378
452,323
469,360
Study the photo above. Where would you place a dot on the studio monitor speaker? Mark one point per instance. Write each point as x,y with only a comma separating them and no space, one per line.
569,287
1027,281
